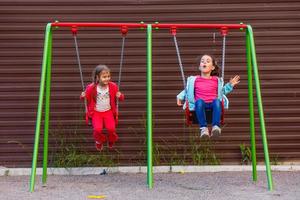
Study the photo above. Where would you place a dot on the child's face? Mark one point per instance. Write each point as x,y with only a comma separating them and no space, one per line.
206,64
104,77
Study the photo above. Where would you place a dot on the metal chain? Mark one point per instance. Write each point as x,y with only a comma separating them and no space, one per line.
121,65
80,68
223,56
179,61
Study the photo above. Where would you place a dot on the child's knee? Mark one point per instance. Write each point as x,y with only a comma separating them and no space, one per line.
113,137
111,129
97,130
217,103
200,104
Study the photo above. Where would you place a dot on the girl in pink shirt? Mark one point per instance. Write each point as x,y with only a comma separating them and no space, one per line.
206,95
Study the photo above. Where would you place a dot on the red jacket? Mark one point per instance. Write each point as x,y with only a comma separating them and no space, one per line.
91,98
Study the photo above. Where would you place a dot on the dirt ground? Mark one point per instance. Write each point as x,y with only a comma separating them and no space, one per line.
220,185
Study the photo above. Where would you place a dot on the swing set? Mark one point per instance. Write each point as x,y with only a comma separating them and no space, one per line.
252,70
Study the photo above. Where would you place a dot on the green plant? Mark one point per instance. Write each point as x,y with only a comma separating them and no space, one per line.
70,156
246,154
177,159
66,153
274,160
203,151
156,154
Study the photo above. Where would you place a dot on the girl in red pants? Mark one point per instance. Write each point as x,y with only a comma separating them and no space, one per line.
101,97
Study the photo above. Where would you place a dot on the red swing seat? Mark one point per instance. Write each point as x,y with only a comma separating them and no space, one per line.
191,117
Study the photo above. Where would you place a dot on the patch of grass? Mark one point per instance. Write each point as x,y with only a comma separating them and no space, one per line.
156,154
246,154
177,159
196,151
274,160
203,152
70,156
67,154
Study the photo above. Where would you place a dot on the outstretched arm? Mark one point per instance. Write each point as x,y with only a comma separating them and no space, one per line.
228,87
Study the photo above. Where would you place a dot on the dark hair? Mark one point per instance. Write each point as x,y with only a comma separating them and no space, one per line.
98,69
214,72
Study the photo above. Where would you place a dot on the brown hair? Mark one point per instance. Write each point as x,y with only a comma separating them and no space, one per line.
214,72
98,69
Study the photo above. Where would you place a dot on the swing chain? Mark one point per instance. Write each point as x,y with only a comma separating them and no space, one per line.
124,31
74,32
173,32
224,32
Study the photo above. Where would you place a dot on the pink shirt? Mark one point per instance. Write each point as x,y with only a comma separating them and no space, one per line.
206,89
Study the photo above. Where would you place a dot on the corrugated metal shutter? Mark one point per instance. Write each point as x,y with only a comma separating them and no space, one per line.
276,27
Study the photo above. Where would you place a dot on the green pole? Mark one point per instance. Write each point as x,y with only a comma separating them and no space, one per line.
260,108
40,107
47,109
149,107
251,108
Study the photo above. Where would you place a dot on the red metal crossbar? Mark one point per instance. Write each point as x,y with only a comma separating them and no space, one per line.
173,27
207,26
142,25
74,24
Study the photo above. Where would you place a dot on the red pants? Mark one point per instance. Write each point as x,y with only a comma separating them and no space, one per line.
107,120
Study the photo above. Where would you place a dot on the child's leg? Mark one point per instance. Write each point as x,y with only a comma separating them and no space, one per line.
98,127
200,112
109,123
216,115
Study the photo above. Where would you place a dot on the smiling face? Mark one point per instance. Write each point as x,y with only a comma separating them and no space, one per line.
104,77
206,64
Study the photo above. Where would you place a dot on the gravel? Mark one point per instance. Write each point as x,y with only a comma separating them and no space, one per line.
215,186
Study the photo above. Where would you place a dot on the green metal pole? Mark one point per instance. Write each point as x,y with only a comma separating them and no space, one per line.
251,108
260,108
47,109
40,107
149,107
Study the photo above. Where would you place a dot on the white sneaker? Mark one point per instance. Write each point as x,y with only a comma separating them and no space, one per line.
216,131
204,133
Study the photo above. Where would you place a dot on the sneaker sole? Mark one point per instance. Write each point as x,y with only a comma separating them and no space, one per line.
216,133
99,149
204,136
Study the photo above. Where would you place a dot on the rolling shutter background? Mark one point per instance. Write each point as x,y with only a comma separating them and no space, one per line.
276,27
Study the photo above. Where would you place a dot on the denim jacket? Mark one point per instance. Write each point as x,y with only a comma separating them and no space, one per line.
189,92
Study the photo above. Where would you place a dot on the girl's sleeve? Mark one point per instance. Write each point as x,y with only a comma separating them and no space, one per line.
181,95
88,93
227,88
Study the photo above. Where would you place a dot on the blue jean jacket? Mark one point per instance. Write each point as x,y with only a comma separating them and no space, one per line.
189,92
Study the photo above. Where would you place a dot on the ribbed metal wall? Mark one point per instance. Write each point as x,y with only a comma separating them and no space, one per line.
276,28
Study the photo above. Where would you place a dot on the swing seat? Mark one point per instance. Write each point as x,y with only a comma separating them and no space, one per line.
191,117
